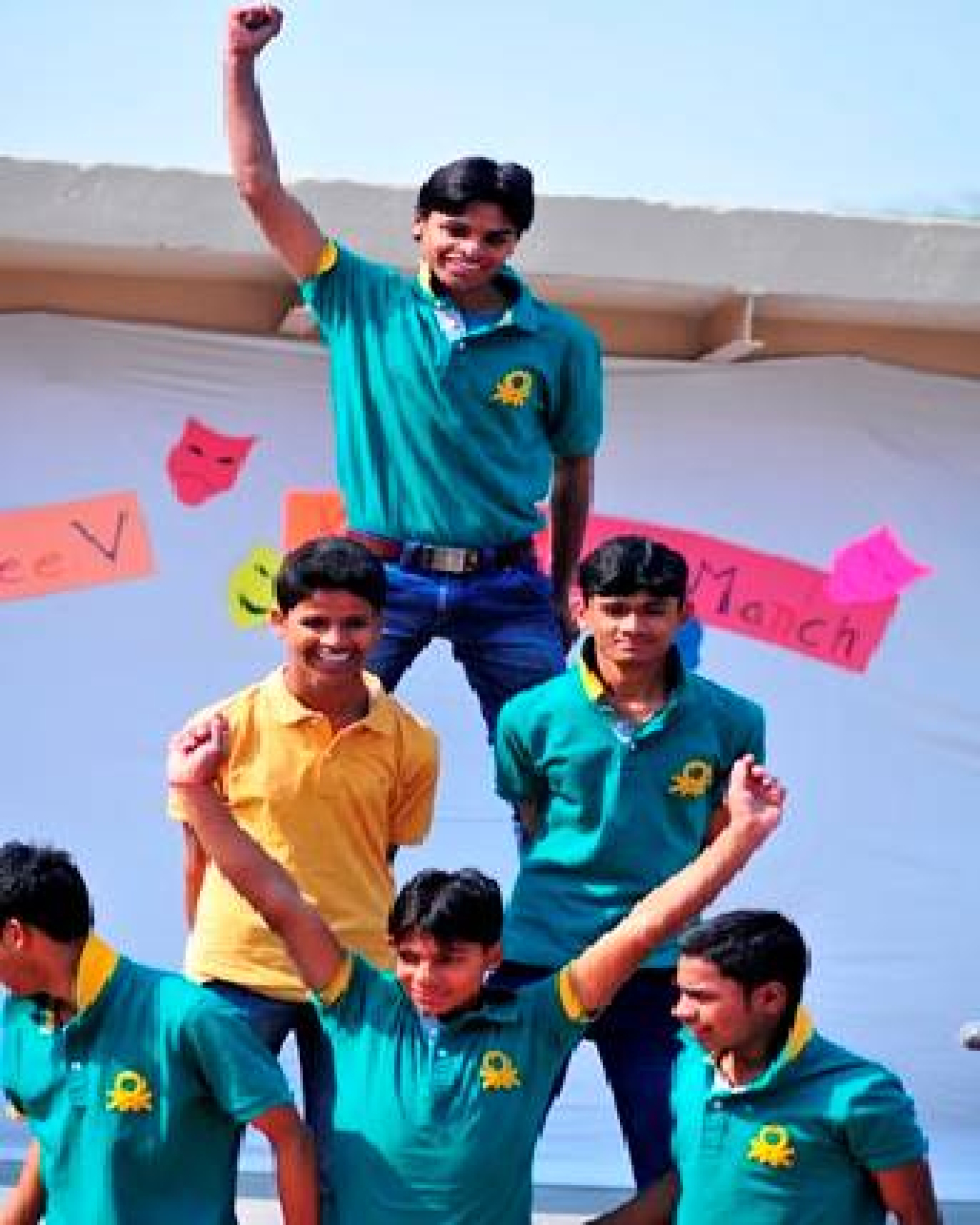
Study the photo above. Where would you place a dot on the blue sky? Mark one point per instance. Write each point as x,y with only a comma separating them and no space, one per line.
844,105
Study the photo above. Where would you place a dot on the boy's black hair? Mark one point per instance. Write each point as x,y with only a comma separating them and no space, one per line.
41,886
450,907
330,563
626,565
754,947
479,180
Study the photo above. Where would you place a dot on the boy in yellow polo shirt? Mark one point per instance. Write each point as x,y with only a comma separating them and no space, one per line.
329,775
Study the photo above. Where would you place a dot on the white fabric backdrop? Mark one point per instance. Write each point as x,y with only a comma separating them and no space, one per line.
795,458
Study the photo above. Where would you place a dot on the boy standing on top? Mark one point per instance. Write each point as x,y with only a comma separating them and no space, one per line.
618,770
460,399
330,775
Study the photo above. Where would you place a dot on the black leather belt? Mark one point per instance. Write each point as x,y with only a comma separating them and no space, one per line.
446,559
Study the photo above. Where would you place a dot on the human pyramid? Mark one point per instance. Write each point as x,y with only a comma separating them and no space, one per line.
434,1027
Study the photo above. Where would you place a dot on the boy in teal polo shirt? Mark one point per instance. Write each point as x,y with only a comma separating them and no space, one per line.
773,1123
134,1083
618,769
459,398
443,1083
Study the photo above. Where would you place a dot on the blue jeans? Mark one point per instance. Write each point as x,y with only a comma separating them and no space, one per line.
636,1039
501,625
273,1021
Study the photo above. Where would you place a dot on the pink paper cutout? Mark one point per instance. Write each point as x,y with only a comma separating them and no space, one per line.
203,463
876,567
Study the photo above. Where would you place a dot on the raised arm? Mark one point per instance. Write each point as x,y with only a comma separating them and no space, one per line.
755,804
571,497
192,763
290,229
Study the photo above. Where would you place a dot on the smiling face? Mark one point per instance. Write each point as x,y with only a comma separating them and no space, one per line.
632,630
443,977
327,638
464,253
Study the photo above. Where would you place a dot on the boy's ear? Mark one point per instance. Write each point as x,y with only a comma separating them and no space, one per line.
686,611
494,956
277,619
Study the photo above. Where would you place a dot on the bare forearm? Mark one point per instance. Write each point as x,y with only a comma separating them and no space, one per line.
194,866
296,1180
650,1207
25,1203
255,875
604,967
571,497
253,158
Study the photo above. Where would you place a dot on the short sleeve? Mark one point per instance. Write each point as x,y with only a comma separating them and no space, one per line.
746,734
347,289
557,1017
358,993
514,766
412,809
575,420
881,1127
240,1073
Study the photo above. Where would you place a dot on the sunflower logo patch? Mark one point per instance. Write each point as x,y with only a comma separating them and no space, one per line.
772,1146
130,1092
497,1071
514,388
693,780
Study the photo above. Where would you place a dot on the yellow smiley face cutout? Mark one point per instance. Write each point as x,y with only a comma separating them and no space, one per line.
250,587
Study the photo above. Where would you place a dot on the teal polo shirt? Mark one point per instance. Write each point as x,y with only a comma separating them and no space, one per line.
793,1147
439,1123
447,435
137,1101
620,808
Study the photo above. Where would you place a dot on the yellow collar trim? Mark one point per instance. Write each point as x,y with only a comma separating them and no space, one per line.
96,966
591,681
799,1035
287,707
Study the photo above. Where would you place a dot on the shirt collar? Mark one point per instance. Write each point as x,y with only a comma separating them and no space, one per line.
595,688
96,966
289,710
521,311
796,1043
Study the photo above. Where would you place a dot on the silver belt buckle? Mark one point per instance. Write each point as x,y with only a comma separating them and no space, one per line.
446,559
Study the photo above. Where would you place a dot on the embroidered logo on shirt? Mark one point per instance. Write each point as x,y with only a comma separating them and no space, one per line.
129,1092
693,781
771,1146
514,388
497,1071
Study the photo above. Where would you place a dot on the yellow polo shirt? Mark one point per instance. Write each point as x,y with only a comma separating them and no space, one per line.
324,804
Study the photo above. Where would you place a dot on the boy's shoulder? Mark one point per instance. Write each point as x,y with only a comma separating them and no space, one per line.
243,703
559,322
719,699
392,711
542,700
